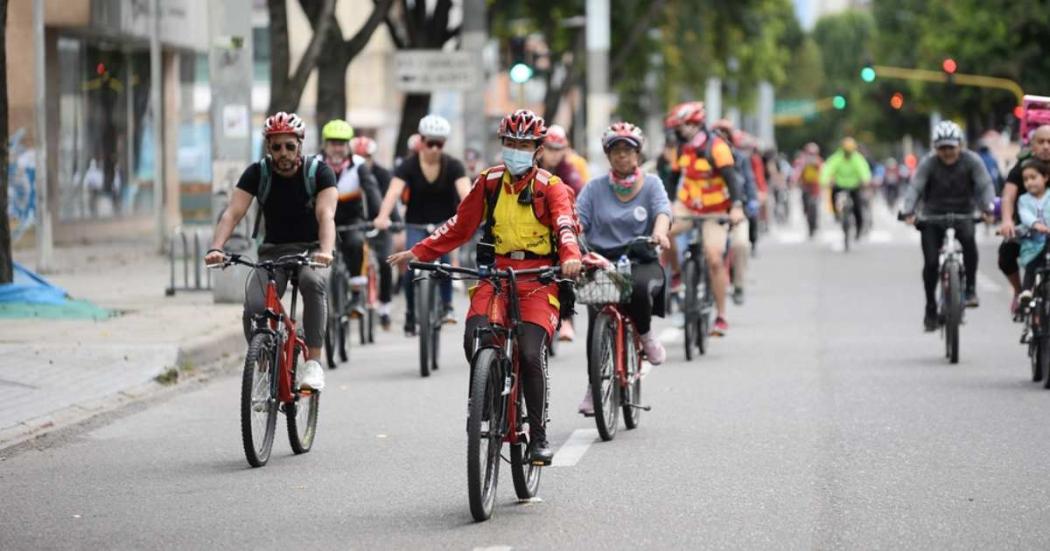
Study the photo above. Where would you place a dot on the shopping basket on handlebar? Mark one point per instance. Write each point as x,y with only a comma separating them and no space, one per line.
604,286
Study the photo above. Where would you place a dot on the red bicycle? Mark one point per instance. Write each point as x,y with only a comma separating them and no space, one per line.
268,382
614,354
496,409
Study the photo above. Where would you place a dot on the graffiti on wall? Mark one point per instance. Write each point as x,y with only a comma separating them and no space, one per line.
21,185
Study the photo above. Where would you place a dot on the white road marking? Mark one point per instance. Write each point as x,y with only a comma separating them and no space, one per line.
573,449
494,548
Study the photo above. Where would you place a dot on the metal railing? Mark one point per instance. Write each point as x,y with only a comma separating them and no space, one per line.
192,259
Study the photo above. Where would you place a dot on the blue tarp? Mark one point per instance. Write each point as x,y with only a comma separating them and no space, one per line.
29,287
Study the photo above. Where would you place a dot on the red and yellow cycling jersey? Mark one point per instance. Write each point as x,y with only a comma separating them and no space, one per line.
702,189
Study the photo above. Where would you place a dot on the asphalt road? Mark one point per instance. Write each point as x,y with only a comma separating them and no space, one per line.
826,419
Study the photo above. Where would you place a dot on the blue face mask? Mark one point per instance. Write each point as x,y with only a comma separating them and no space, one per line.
518,161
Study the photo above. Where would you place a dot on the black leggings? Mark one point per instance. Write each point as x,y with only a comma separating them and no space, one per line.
382,244
532,358
932,239
858,205
1009,252
352,245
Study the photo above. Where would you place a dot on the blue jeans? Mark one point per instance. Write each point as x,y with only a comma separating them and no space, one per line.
413,236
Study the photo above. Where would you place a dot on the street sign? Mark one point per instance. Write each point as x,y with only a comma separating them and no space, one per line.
433,70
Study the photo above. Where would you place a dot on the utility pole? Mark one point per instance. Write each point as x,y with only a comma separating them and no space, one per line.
44,240
474,36
599,100
156,111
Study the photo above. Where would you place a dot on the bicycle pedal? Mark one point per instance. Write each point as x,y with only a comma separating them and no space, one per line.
641,407
539,463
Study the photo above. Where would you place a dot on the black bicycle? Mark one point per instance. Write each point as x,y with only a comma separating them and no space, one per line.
844,207
496,410
699,301
337,321
1036,314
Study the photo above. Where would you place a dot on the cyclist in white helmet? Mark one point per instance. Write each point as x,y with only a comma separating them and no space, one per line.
430,183
948,180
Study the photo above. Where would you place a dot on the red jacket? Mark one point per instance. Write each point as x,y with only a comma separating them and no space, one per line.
552,203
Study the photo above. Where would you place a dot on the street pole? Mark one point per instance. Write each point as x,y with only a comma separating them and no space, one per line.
474,36
44,240
155,84
713,99
599,102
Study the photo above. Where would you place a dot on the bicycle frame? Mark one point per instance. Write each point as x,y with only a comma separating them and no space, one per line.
276,317
504,301
615,312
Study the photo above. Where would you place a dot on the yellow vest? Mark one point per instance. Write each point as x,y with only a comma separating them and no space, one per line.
516,227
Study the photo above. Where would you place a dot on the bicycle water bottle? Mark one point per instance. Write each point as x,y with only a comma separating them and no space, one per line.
623,265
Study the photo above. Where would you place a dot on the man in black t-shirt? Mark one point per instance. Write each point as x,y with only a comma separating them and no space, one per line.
430,184
294,222
1010,249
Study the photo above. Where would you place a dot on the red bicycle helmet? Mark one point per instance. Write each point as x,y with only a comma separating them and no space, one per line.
690,112
623,132
284,123
523,124
556,138
363,146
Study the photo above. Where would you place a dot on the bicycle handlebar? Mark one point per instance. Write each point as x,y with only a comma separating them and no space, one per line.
545,272
283,262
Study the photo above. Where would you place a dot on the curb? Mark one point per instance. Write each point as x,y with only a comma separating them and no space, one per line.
197,360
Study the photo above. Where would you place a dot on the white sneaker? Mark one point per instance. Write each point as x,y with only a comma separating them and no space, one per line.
311,375
654,349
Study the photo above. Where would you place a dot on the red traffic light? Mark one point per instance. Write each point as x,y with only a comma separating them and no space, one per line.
949,66
897,100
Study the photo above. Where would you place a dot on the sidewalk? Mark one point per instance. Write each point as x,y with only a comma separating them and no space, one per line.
58,372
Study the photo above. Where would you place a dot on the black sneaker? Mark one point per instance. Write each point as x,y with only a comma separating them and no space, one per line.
929,321
384,321
449,316
539,453
410,327
971,299
738,296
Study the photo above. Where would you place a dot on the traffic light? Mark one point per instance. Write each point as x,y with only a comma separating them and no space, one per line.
949,66
897,101
838,102
520,68
867,74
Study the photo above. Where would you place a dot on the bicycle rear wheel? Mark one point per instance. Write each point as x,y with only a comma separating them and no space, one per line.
846,225
259,398
301,414
423,307
632,393
1035,360
707,303
601,369
953,315
484,433
335,323
436,314
690,275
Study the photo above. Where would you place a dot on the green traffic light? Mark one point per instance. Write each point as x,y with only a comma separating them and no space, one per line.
867,74
838,102
520,73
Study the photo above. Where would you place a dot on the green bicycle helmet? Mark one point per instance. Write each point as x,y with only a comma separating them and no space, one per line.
337,129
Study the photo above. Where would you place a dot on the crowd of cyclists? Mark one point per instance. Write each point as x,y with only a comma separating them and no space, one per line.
538,206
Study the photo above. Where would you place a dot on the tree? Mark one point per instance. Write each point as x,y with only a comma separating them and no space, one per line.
416,27
286,87
338,54
6,268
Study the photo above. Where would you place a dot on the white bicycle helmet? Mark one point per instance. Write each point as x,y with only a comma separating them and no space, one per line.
435,126
947,133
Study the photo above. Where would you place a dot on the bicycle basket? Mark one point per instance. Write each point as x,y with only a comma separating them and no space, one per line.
604,287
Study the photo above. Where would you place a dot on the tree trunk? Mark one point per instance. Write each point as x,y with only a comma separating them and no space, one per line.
416,107
331,89
286,90
6,268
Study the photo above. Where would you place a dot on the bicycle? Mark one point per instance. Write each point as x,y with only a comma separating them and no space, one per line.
337,321
429,311
844,207
699,300
614,362
365,307
496,412
268,380
811,206
952,275
1036,315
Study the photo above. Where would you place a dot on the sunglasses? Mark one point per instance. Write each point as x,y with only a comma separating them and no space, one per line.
435,143
288,146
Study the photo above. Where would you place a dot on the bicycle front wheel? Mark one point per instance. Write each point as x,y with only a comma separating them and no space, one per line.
953,315
259,398
302,417
436,314
484,433
423,307
690,277
601,368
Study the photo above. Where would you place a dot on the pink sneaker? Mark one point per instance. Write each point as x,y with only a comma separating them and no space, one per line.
720,327
567,333
587,404
653,348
